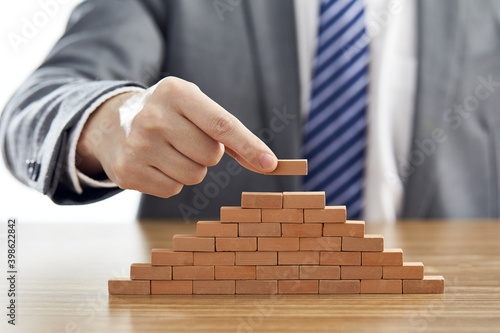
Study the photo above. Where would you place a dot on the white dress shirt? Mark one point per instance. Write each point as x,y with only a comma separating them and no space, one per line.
392,29
391,26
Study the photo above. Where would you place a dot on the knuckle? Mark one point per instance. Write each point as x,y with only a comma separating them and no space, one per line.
121,171
170,85
222,125
246,150
197,176
174,189
176,86
150,119
214,157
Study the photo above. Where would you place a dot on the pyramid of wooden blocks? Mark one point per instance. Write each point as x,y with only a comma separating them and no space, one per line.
278,243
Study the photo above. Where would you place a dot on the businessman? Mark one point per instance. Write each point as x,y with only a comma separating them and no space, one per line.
148,95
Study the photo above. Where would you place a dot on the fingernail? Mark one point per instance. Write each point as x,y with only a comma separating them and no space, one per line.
268,162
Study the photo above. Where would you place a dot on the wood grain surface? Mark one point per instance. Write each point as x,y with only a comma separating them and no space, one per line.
63,273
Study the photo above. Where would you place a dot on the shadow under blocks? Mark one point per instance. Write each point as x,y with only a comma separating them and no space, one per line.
278,243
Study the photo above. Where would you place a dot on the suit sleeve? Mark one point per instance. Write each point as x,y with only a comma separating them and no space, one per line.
108,45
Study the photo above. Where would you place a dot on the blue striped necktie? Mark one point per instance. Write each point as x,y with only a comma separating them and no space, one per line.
334,133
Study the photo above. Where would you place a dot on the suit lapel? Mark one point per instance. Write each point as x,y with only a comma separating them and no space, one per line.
439,43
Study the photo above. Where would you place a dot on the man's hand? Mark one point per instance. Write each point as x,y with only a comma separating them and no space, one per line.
174,138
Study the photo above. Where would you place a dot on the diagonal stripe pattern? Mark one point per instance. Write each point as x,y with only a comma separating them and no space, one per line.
334,133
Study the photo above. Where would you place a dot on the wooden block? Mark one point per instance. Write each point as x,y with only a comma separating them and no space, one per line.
388,257
167,257
369,243
428,285
283,215
125,286
171,287
256,258
298,258
262,200
150,272
238,214
214,258
214,287
319,272
303,199
236,244
339,286
302,230
409,271
193,243
235,272
193,272
320,244
330,214
381,287
350,228
260,229
278,244
277,272
340,258
298,286
290,168
257,287
216,229
361,272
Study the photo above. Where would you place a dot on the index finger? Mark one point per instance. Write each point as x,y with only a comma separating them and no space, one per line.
225,128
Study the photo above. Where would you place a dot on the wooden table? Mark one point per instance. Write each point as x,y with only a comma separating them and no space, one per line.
63,273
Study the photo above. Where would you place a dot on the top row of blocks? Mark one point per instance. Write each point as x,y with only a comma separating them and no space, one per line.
283,200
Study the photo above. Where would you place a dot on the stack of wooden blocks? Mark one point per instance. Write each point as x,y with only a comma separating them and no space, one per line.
278,243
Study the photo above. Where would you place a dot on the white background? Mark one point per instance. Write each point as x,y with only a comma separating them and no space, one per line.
49,18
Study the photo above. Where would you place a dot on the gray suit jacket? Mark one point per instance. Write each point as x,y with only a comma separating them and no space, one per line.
243,55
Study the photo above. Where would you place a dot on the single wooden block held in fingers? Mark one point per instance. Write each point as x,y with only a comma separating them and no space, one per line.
125,286
290,168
